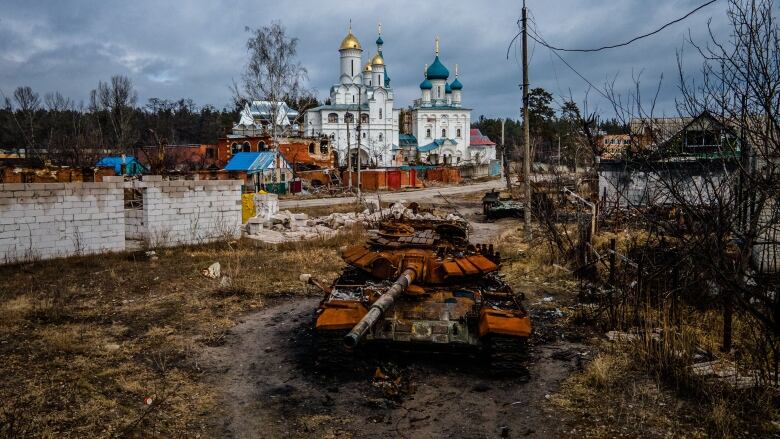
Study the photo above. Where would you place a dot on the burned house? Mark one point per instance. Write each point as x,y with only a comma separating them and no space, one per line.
694,164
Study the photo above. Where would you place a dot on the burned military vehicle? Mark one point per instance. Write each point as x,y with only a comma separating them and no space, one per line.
421,284
500,205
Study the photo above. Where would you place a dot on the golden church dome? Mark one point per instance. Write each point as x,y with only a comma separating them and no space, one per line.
377,60
350,42
367,68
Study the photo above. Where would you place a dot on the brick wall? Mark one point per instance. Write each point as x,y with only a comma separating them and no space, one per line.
47,220
180,212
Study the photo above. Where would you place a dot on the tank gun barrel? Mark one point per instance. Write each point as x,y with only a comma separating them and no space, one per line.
379,308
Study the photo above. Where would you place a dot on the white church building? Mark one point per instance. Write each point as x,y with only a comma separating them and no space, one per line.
363,92
440,124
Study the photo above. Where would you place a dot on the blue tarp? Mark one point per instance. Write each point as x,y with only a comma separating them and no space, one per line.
252,162
132,166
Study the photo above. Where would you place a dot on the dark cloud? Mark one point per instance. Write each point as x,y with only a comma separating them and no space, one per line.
194,49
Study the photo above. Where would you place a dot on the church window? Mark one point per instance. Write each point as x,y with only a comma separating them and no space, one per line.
349,118
234,148
261,146
458,132
353,99
311,148
353,68
444,132
364,134
324,148
333,118
246,147
364,118
380,137
428,133
380,113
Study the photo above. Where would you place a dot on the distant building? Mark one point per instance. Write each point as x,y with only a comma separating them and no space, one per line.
256,119
440,123
122,165
614,146
363,94
266,170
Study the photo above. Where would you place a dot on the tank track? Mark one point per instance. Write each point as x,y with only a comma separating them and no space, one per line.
506,354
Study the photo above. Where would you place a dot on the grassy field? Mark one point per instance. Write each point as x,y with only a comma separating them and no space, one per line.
104,346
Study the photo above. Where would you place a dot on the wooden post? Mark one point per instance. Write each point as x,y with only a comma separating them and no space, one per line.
612,261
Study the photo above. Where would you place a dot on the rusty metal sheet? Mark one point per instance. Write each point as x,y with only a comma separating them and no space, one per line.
467,266
484,264
451,269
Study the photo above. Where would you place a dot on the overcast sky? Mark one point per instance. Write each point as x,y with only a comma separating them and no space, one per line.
193,49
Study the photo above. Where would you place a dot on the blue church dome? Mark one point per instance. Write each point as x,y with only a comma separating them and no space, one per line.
437,70
380,41
447,88
426,85
456,85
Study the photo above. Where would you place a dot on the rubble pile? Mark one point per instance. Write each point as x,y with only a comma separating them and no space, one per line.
272,226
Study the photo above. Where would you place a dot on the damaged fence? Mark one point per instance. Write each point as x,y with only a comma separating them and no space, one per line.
49,220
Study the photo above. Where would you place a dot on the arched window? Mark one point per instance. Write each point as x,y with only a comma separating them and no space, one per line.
443,132
349,118
246,147
380,113
428,133
364,118
333,118
323,148
311,148
261,146
458,132
380,137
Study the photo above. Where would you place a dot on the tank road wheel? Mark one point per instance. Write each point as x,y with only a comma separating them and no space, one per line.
506,354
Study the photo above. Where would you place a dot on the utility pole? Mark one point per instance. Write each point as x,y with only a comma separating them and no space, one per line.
526,131
359,126
349,153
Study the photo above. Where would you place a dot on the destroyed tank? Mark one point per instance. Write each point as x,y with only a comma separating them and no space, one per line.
421,284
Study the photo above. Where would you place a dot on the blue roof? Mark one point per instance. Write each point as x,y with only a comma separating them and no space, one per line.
431,146
447,88
426,85
407,140
380,41
253,162
456,85
437,70
132,166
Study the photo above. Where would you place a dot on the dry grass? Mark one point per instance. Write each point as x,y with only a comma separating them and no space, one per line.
85,340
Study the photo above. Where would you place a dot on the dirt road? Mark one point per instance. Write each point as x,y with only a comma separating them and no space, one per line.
409,196
273,385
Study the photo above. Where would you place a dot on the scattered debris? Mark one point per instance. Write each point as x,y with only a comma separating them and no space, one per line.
213,271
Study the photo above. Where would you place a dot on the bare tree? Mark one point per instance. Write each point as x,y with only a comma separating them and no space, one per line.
117,100
272,73
27,103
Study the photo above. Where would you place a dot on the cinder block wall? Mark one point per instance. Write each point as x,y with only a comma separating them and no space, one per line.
189,211
48,220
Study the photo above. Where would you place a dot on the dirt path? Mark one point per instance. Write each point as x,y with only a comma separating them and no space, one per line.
272,386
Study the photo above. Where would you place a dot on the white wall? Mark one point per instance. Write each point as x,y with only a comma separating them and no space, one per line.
48,220
180,212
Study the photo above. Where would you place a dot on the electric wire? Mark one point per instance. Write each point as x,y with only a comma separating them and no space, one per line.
637,38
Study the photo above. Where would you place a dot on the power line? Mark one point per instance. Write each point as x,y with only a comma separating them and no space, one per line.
635,38
536,37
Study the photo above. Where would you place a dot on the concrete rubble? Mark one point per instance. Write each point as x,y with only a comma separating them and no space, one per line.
274,227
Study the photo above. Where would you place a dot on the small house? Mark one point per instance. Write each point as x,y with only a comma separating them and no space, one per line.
264,170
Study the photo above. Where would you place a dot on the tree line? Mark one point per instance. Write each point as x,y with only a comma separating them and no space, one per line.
66,132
